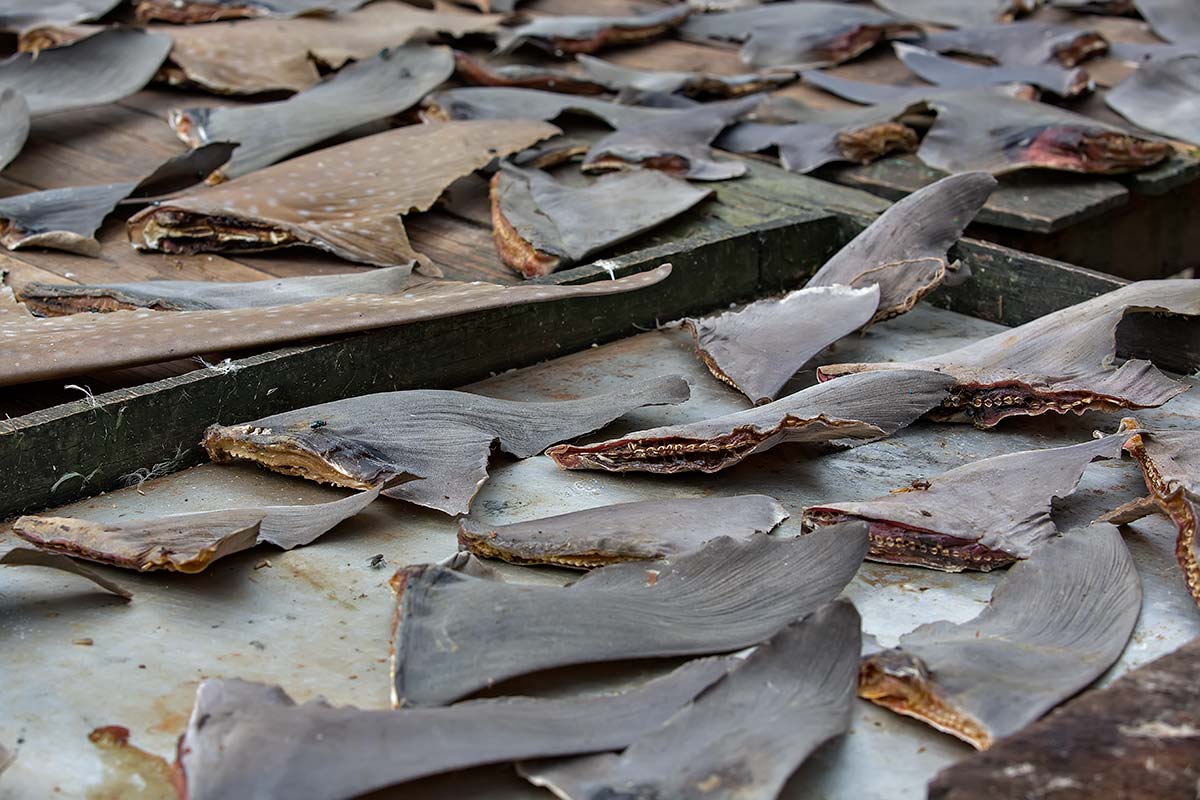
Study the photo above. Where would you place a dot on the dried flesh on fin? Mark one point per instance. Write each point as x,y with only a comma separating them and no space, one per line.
605,535
980,516
443,438
188,542
691,604
1170,462
869,409
1055,623
1066,361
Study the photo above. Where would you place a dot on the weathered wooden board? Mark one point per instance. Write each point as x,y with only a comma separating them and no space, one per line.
718,259
1033,201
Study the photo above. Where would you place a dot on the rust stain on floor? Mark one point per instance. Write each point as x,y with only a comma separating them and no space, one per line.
130,773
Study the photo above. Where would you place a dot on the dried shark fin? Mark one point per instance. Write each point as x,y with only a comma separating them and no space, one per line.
618,78
1055,622
498,102
863,92
1135,738
1162,95
53,299
188,543
870,409
60,219
182,171
1109,7
18,16
1173,20
606,535
346,200
677,143
100,69
993,132
67,219
904,251
880,274
180,543
1170,462
816,137
14,124
744,736
798,34
1064,361
52,347
955,74
252,740
264,55
959,13
980,516
490,6
568,34
542,77
758,349
186,12
691,604
46,37
444,438
540,225
30,557
1021,43
377,87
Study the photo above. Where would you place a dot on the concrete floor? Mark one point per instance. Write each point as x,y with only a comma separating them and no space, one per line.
316,620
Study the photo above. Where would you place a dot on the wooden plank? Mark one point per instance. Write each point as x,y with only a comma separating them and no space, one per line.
1012,288
122,431
1035,201
1152,236
1179,170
